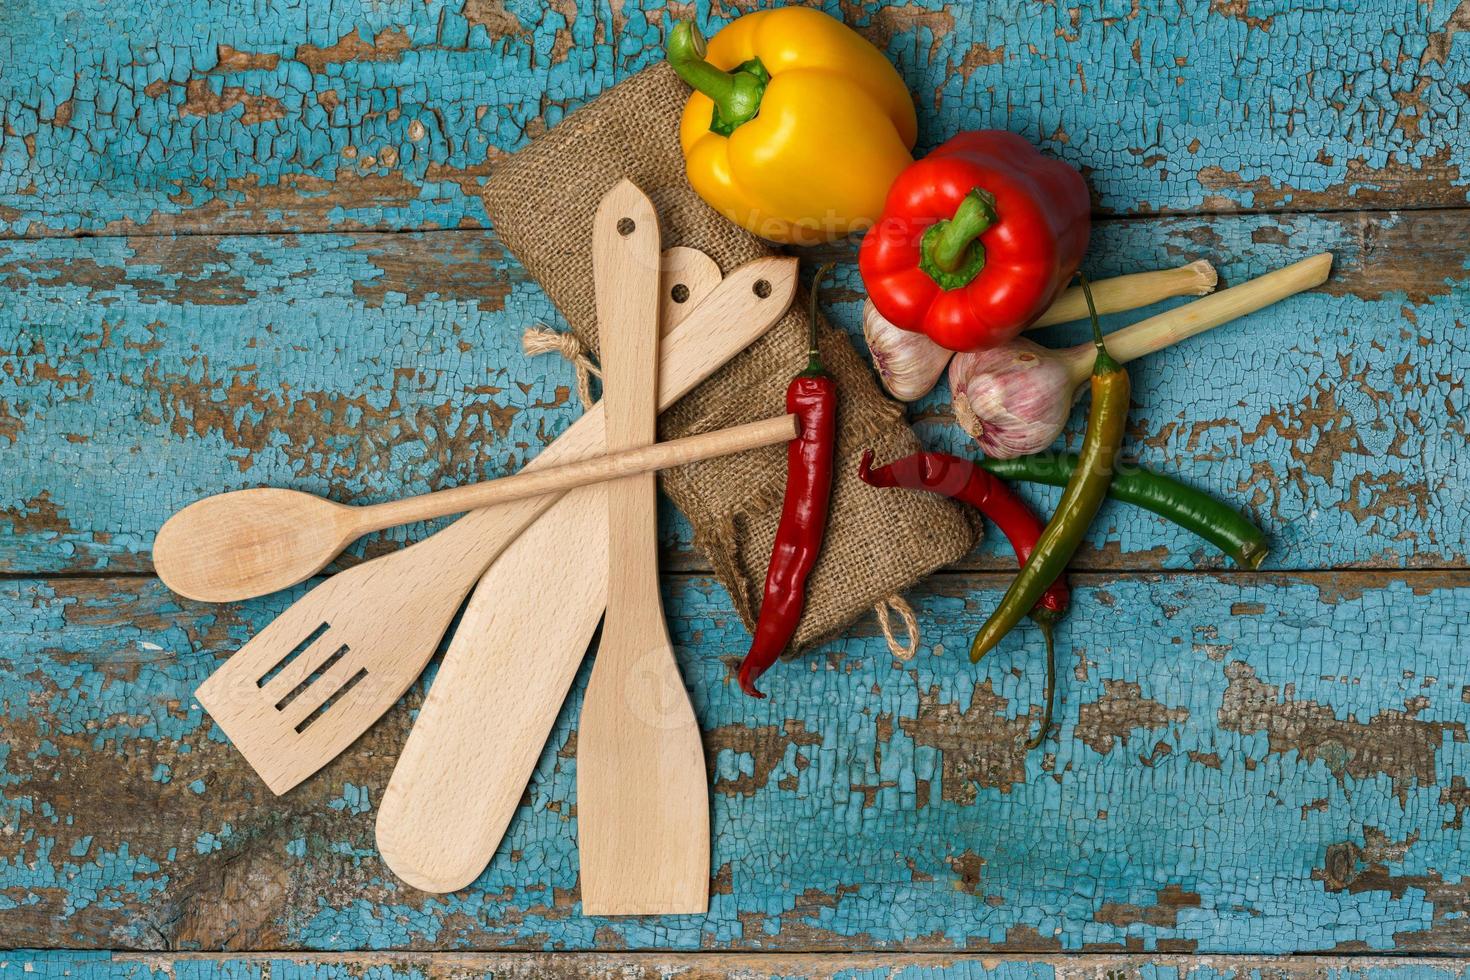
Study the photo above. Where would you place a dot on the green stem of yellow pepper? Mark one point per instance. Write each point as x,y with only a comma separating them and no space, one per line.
950,251
736,95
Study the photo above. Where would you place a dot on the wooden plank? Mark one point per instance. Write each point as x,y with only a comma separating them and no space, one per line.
1246,764
137,375
708,966
339,115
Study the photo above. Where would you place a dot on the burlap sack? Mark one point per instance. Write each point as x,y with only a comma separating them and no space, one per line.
542,201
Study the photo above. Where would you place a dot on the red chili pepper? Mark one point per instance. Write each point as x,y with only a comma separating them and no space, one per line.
951,476
812,397
976,240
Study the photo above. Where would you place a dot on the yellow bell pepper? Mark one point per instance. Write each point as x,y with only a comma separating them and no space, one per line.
797,125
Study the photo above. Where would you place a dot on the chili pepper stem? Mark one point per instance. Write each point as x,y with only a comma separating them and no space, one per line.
1252,555
1103,363
1048,695
814,354
1183,322
736,95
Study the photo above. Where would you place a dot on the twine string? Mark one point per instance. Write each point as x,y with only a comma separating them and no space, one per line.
905,612
541,339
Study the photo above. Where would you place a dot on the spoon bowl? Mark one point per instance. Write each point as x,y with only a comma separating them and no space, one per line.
235,545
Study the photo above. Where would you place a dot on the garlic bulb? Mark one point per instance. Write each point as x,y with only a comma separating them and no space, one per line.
1013,399
909,364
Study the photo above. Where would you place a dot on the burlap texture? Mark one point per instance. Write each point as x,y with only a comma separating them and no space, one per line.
542,201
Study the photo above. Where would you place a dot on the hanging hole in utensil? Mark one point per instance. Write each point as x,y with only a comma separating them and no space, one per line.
762,288
626,226
680,293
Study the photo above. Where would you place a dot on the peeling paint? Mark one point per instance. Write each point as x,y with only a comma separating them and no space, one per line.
935,831
205,349
1294,745
1345,105
1113,717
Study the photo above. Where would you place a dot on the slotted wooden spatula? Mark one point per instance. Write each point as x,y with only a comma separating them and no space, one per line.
458,782
642,797
318,676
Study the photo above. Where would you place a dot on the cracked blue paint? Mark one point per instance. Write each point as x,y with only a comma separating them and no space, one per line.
169,373
354,799
893,819
389,115
40,965
1245,764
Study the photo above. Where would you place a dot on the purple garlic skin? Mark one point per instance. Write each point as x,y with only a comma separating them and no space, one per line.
1013,399
909,364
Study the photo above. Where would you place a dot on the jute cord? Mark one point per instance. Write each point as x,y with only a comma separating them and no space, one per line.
541,339
905,612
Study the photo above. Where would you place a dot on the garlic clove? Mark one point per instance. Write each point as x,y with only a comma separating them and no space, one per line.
1013,399
908,364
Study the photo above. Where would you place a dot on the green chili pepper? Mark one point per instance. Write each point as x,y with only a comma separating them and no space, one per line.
1080,501
1194,510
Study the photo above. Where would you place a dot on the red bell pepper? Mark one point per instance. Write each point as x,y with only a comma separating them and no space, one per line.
976,240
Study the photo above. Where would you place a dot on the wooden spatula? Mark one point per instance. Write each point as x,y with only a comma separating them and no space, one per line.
317,677
459,781
642,797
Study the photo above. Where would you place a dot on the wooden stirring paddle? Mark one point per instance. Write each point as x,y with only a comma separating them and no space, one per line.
642,795
249,542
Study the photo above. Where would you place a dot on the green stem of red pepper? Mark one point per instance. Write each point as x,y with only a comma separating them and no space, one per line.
812,397
736,94
950,251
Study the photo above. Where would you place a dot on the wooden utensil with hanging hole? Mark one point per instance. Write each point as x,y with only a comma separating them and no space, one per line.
642,794
437,829
322,672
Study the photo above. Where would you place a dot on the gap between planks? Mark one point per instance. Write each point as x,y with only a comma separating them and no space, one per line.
845,251
640,962
1451,574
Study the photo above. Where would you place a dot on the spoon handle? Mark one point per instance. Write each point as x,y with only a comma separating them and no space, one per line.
551,479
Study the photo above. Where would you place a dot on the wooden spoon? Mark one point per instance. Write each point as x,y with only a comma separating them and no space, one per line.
249,542
642,798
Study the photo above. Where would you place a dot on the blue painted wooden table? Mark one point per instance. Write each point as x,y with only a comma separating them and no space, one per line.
241,243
